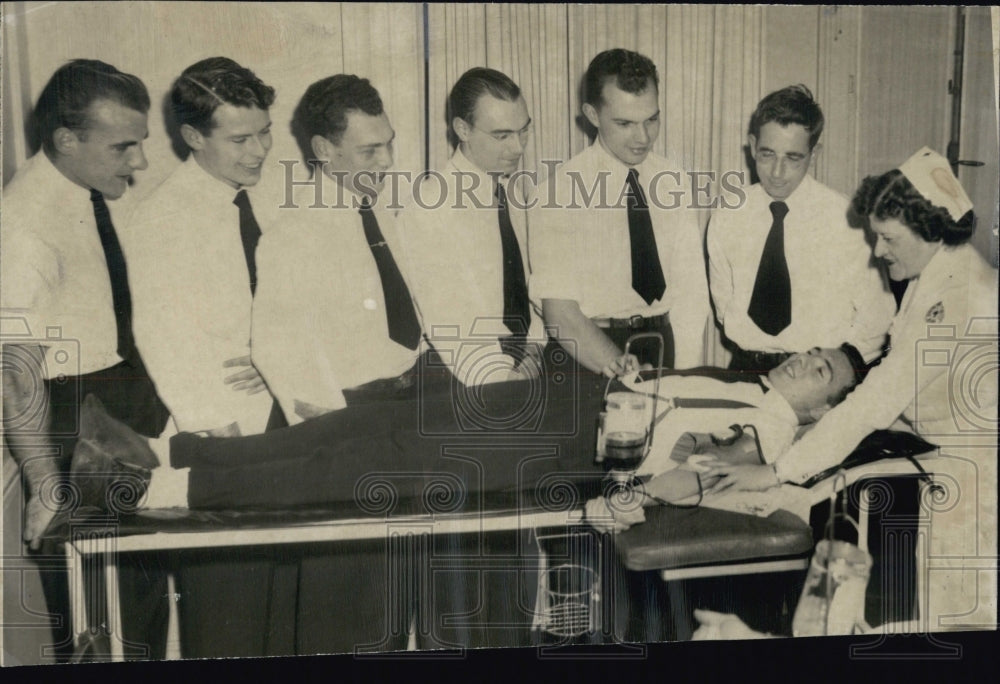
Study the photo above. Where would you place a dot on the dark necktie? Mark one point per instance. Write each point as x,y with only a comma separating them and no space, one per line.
647,274
121,298
771,303
249,234
516,314
401,316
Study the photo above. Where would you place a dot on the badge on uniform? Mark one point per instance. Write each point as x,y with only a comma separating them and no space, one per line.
935,314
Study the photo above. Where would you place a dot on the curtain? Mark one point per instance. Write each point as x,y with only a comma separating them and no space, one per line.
709,62
709,59
288,45
526,42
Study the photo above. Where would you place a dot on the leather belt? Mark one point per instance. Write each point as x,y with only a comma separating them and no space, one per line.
384,389
633,322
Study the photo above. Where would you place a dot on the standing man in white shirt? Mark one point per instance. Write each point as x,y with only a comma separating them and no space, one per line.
334,322
335,326
192,241
191,246
469,261
468,253
65,293
787,271
616,247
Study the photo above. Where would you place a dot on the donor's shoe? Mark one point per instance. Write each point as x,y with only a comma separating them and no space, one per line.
111,464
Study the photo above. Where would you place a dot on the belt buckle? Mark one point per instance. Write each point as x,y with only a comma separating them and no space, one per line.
635,321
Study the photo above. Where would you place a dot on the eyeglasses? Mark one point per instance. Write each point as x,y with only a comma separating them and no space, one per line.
769,157
506,136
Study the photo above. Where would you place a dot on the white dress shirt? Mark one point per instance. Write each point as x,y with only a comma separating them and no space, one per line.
319,319
580,249
837,295
55,287
456,261
768,411
191,300
939,377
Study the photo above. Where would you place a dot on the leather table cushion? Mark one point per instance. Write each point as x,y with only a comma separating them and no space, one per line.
680,537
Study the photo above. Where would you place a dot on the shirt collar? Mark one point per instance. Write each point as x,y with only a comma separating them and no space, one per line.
941,266
799,199
485,189
604,160
62,186
776,404
209,185
619,169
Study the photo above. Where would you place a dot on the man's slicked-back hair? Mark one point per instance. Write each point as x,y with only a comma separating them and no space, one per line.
472,85
206,85
632,73
325,105
791,105
860,369
66,99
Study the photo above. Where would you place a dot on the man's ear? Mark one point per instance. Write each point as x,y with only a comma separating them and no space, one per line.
321,148
192,137
815,152
462,128
65,141
752,144
590,111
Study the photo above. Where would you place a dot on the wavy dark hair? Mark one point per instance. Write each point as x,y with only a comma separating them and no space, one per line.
632,73
892,196
791,105
324,107
212,82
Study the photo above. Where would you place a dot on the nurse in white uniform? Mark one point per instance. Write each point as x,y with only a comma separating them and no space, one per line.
939,379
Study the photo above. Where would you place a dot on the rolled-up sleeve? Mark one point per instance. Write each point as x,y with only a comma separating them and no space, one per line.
552,245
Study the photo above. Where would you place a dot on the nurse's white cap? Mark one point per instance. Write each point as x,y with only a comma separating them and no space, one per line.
931,175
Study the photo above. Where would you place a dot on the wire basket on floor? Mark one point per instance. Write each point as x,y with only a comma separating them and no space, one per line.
569,593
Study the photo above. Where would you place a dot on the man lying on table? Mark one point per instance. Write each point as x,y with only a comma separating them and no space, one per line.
321,460
697,435
385,458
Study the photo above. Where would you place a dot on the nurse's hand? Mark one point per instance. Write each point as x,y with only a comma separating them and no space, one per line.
753,478
247,380
614,513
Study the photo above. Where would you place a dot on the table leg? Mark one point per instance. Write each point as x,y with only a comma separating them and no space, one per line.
173,629
78,613
114,606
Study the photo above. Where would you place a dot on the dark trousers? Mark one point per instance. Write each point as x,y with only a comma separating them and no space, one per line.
452,448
